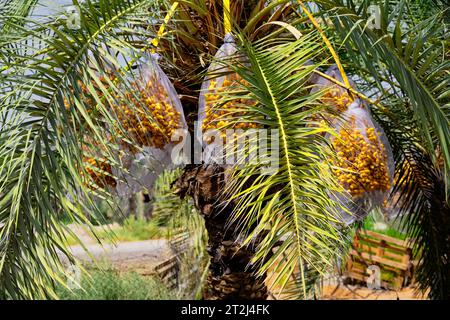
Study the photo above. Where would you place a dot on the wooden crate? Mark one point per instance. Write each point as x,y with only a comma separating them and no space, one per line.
391,255
168,271
180,243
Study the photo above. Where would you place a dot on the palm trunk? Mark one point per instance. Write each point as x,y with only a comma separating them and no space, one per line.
231,276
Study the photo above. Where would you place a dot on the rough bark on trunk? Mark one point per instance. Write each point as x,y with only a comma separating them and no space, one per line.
231,276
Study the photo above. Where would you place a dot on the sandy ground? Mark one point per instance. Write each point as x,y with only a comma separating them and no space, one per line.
360,293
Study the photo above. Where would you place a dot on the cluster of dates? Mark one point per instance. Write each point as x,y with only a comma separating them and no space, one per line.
363,163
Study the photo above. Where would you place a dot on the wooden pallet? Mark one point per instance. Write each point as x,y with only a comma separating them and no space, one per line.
391,255
168,271
180,242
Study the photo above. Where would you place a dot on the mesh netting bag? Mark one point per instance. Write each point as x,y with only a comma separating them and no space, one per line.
156,115
139,171
334,95
215,109
364,165
157,112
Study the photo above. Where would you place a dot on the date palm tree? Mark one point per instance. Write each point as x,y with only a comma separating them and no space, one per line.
59,86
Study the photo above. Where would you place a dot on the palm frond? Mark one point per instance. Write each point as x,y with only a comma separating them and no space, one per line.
289,210
184,222
420,198
15,11
56,109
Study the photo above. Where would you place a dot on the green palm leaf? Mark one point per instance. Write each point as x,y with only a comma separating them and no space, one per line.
290,207
41,138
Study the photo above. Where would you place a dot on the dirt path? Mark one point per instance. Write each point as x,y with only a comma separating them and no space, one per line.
141,256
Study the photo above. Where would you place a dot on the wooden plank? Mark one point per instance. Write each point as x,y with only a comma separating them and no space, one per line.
168,268
168,272
358,272
388,254
358,264
397,242
180,238
169,261
180,243
364,278
376,243
391,263
361,271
